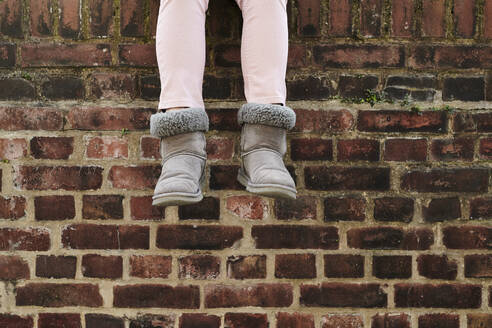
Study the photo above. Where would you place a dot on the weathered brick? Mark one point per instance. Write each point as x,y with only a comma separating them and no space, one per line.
25,239
457,296
44,209
445,179
51,147
207,209
137,54
56,266
356,86
393,209
403,149
310,88
112,85
294,320
101,17
13,267
102,118
295,266
217,87
95,236
150,266
433,18
247,207
344,209
148,320
13,207
16,88
308,19
102,207
357,150
401,121
450,56
390,320
481,208
59,320
150,87
464,18
485,148
343,266
346,178
476,122
303,207
227,55
43,177
488,20
390,238
220,148
142,209
223,119
276,236
197,237
223,28
202,320
323,121
11,18
442,209
7,51
224,177
478,266
342,320
313,149
246,267
261,294
28,118
58,54
107,147
340,18
69,26
358,56
246,320
392,266
439,320
100,266
13,320
340,294
402,13
63,88
150,148
464,88
467,237
58,295
134,177
371,17
156,295
199,267
478,320
97,320
132,18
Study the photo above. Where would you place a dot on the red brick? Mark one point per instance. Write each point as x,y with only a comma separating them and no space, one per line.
95,236
390,320
487,19
202,320
51,147
150,148
342,320
464,18
11,18
296,55
392,266
294,320
58,54
246,267
445,179
439,320
467,237
150,266
393,209
24,239
107,147
308,18
44,209
197,237
13,320
207,209
142,209
101,17
357,150
358,56
452,149
58,295
478,266
12,119
220,148
468,122
346,178
481,208
223,119
199,267
156,295
108,118
401,121
70,18
301,208
402,18
344,209
132,18
312,149
102,207
478,320
227,55
277,236
143,320
371,17
56,266
137,55
97,320
7,54
58,177
99,266
246,320
390,238
261,294
442,209
343,266
59,320
41,20
13,207
340,294
224,177
402,149
134,177
340,18
458,296
449,56
433,18
154,15
247,207
485,148
295,266
13,267
112,85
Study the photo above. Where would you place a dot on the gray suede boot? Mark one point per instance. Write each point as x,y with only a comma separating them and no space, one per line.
263,145
183,154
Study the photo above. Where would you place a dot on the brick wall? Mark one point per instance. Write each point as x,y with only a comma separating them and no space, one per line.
391,155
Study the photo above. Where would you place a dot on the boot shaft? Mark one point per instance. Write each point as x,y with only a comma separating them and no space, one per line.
255,136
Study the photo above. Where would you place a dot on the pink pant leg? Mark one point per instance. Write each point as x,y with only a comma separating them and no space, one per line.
180,50
264,50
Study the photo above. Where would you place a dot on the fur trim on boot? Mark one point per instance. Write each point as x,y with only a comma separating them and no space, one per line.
267,114
178,121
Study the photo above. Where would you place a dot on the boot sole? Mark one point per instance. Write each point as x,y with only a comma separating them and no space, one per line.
271,190
176,199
